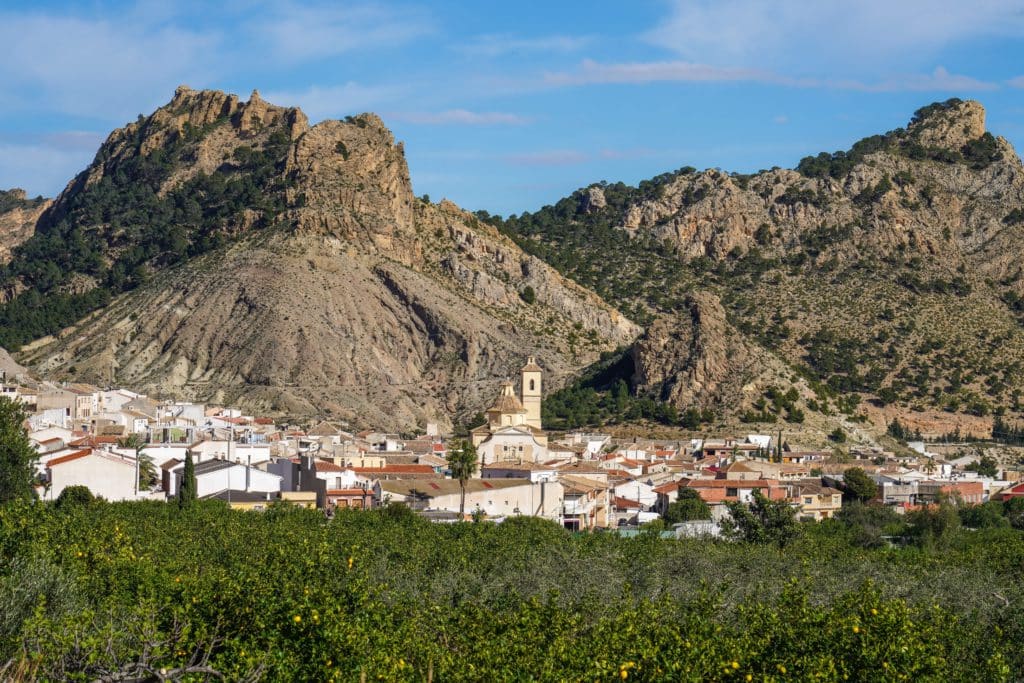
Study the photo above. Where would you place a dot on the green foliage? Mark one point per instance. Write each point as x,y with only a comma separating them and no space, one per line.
898,430
528,295
857,485
867,524
793,196
763,521
687,507
874,193
188,489
11,199
17,456
110,235
1004,432
837,435
987,515
934,525
924,113
986,466
462,464
981,152
1015,217
643,277
839,164
602,396
74,495
88,592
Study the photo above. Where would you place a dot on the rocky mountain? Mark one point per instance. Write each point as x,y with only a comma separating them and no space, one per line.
228,251
884,280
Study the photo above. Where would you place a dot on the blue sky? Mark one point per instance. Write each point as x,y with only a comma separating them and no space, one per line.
507,106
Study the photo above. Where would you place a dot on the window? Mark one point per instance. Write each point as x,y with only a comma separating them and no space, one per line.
731,492
531,385
808,500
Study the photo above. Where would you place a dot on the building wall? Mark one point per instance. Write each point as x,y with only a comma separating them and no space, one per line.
531,398
505,447
234,478
107,478
541,499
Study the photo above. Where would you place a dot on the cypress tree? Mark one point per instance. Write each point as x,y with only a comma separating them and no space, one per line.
188,490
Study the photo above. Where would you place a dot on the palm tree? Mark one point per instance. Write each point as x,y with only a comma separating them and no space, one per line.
462,463
144,468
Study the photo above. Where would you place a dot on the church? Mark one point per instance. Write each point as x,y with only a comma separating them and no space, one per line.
513,432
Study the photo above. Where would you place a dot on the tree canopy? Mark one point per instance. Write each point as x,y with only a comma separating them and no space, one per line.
17,456
857,485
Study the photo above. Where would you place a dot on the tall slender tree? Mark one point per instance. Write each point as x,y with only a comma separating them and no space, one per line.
17,457
462,463
187,492
145,471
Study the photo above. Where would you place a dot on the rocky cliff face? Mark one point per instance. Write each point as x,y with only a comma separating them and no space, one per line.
942,173
889,273
355,299
18,216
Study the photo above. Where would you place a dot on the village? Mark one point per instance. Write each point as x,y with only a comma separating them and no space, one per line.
122,445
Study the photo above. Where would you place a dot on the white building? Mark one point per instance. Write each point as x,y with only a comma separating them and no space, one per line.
106,475
493,497
215,476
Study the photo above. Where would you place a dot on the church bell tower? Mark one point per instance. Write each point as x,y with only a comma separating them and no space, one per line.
531,392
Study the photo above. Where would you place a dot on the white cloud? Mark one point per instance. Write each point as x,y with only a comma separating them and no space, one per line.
781,119
495,45
298,33
335,101
45,164
591,72
96,67
796,36
939,80
648,72
1017,82
461,117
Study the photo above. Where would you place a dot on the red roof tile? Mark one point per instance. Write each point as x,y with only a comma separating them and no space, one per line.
69,457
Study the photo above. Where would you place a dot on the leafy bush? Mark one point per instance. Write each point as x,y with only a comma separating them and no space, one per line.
101,591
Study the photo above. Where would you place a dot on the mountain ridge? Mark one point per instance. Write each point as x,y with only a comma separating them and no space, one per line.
295,272
866,284
861,271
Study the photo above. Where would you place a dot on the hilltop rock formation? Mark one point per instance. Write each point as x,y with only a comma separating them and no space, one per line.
326,288
18,216
886,274
685,360
699,360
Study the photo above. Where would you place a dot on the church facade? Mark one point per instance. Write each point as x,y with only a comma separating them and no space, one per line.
513,431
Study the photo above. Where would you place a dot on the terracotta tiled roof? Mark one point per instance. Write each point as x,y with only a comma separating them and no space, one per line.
69,457
731,483
395,469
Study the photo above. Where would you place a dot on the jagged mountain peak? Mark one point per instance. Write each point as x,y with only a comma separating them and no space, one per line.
948,125
231,251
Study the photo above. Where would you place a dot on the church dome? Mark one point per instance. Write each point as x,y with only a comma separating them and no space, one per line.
507,403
